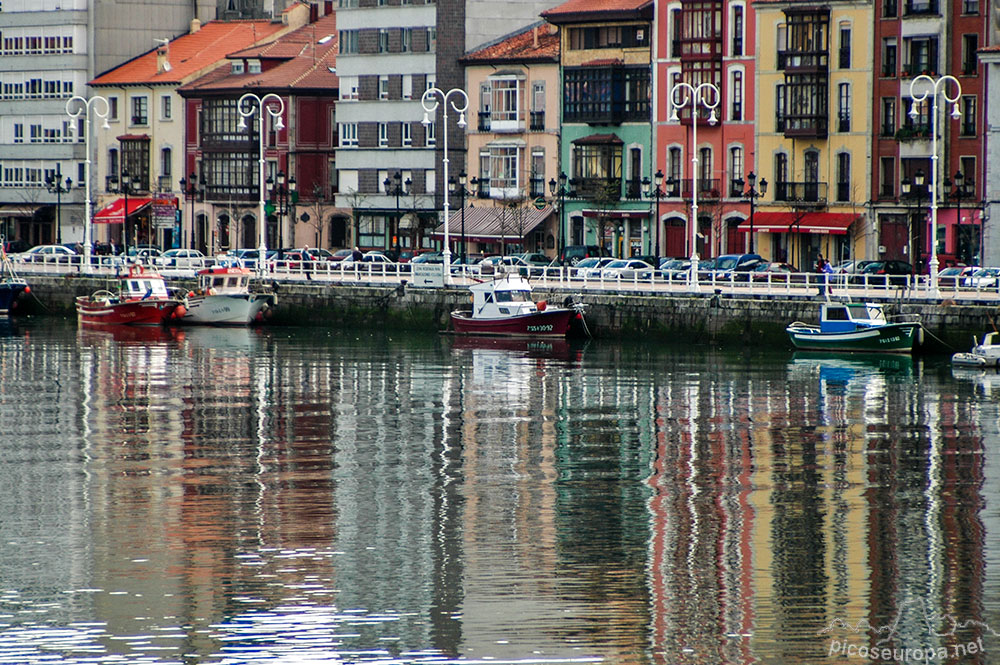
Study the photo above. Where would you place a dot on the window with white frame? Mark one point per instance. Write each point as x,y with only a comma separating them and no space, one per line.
406,40
503,172
383,40
140,110
383,135
348,135
407,133
407,86
349,88
735,170
383,87
165,107
430,134
253,67
505,94
736,94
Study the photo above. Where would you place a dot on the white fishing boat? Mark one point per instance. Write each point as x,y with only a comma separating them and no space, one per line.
983,354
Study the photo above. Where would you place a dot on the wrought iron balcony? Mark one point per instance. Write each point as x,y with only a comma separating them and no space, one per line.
801,192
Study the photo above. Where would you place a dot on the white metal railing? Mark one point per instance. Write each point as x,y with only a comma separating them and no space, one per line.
852,285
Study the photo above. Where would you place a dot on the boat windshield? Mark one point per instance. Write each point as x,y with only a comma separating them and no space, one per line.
512,296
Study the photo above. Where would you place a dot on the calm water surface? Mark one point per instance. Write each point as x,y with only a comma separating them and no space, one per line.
305,495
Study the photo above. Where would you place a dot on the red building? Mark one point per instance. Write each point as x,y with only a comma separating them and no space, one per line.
704,42
932,38
222,144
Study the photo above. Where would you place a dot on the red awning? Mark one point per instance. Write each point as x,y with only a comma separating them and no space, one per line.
113,212
834,223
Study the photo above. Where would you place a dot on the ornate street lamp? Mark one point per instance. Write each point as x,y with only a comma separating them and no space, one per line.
249,104
561,192
462,193
960,192
938,86
907,188
429,102
84,107
396,187
695,96
752,194
655,189
54,183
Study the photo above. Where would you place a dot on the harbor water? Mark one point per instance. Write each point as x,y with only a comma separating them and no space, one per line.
313,495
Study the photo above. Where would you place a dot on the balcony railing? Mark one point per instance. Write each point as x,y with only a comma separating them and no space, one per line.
708,188
608,189
911,69
537,121
811,60
484,121
801,192
165,183
536,187
633,189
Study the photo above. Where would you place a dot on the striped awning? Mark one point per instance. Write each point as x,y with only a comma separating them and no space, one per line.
488,224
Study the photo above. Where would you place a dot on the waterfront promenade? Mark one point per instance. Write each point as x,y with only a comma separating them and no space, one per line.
755,312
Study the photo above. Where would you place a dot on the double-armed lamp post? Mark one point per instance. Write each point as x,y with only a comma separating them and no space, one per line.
921,88
248,105
752,193
429,101
702,95
83,107
54,184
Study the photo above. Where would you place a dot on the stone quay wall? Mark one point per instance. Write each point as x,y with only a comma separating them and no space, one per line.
720,317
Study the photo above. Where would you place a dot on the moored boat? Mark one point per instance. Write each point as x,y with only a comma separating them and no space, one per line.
855,327
503,306
12,287
223,297
141,299
983,354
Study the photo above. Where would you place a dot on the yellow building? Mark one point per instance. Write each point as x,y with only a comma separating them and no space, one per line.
813,142
513,143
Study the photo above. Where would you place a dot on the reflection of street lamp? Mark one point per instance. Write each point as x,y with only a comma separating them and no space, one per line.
430,105
696,95
54,183
397,187
938,86
84,109
462,193
655,189
909,192
561,193
262,104
960,192
752,194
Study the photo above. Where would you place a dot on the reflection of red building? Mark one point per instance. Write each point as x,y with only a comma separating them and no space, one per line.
932,37
705,42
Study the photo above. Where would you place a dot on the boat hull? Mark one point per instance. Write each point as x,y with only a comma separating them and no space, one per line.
224,310
10,293
890,338
554,322
152,312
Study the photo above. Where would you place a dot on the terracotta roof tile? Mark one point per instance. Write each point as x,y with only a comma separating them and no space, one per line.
193,53
596,10
297,60
533,43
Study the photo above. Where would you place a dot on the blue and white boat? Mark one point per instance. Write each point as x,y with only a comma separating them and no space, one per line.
856,327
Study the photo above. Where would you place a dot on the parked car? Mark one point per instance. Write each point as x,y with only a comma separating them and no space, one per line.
675,270
573,254
341,254
735,266
774,271
47,253
954,276
408,255
180,258
984,278
428,257
853,265
248,256
590,268
534,258
884,273
626,269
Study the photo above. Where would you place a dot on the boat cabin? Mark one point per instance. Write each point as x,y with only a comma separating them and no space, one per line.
502,297
837,317
141,284
219,280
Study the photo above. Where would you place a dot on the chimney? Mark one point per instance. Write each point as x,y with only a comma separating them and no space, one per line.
195,26
535,31
162,57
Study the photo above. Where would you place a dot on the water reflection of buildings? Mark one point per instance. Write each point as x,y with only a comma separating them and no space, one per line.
816,502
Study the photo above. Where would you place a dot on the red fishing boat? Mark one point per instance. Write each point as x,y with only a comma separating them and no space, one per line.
503,306
142,299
